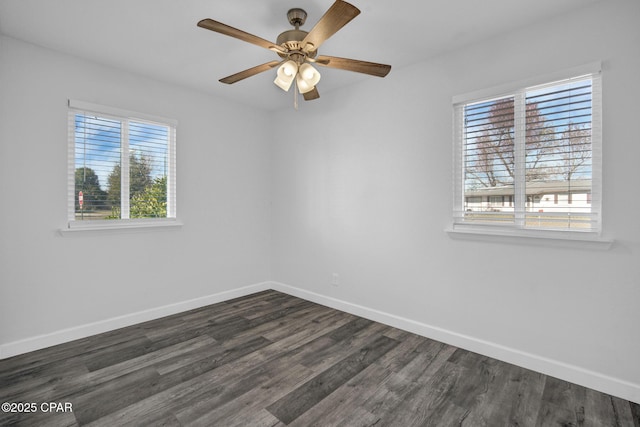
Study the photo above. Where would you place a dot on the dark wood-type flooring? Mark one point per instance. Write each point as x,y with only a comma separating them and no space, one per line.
270,359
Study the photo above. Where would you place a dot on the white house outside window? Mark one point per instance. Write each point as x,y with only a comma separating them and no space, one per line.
537,147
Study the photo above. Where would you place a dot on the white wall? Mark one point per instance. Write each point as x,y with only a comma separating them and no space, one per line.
367,194
50,282
364,192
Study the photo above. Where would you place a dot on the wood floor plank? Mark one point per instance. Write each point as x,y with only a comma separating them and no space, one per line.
66,352
477,382
301,320
624,412
428,399
338,407
599,407
260,418
396,400
191,385
236,385
336,350
405,352
431,357
318,323
22,385
304,397
635,414
563,403
114,394
526,401
73,383
313,331
210,363
275,306
494,403
189,412
39,418
235,410
210,381
272,360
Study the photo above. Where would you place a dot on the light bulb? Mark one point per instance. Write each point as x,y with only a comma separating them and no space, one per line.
307,71
289,68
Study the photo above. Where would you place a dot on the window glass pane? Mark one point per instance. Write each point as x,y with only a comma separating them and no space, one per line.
98,146
148,168
97,156
489,160
559,156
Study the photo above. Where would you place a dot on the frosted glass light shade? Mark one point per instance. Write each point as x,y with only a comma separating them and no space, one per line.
310,74
307,78
286,73
303,86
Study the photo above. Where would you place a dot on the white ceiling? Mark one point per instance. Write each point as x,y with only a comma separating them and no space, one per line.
160,39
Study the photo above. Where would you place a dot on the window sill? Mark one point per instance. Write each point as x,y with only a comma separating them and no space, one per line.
75,227
566,239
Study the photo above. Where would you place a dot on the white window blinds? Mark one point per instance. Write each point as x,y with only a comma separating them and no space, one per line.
530,159
121,165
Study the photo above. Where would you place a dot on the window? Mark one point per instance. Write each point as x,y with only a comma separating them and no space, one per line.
537,146
121,167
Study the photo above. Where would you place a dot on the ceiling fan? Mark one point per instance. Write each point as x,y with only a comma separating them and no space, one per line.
298,49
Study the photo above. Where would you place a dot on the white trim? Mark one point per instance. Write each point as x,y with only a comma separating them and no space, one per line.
558,238
575,374
119,225
509,88
71,167
119,112
171,176
125,170
65,335
520,158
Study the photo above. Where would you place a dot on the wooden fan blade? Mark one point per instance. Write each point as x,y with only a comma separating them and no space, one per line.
250,72
371,68
336,17
225,29
311,95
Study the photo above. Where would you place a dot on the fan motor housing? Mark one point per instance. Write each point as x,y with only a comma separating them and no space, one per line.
291,40
291,36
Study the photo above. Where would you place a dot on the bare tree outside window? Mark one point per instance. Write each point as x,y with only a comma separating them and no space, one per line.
554,143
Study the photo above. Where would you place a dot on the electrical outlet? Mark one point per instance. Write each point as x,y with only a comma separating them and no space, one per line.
335,279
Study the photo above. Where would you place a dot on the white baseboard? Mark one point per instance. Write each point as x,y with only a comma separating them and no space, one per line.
594,380
574,374
65,335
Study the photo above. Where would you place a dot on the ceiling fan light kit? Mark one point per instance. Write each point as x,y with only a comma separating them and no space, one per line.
298,49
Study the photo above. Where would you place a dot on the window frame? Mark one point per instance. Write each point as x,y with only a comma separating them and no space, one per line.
518,90
125,117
